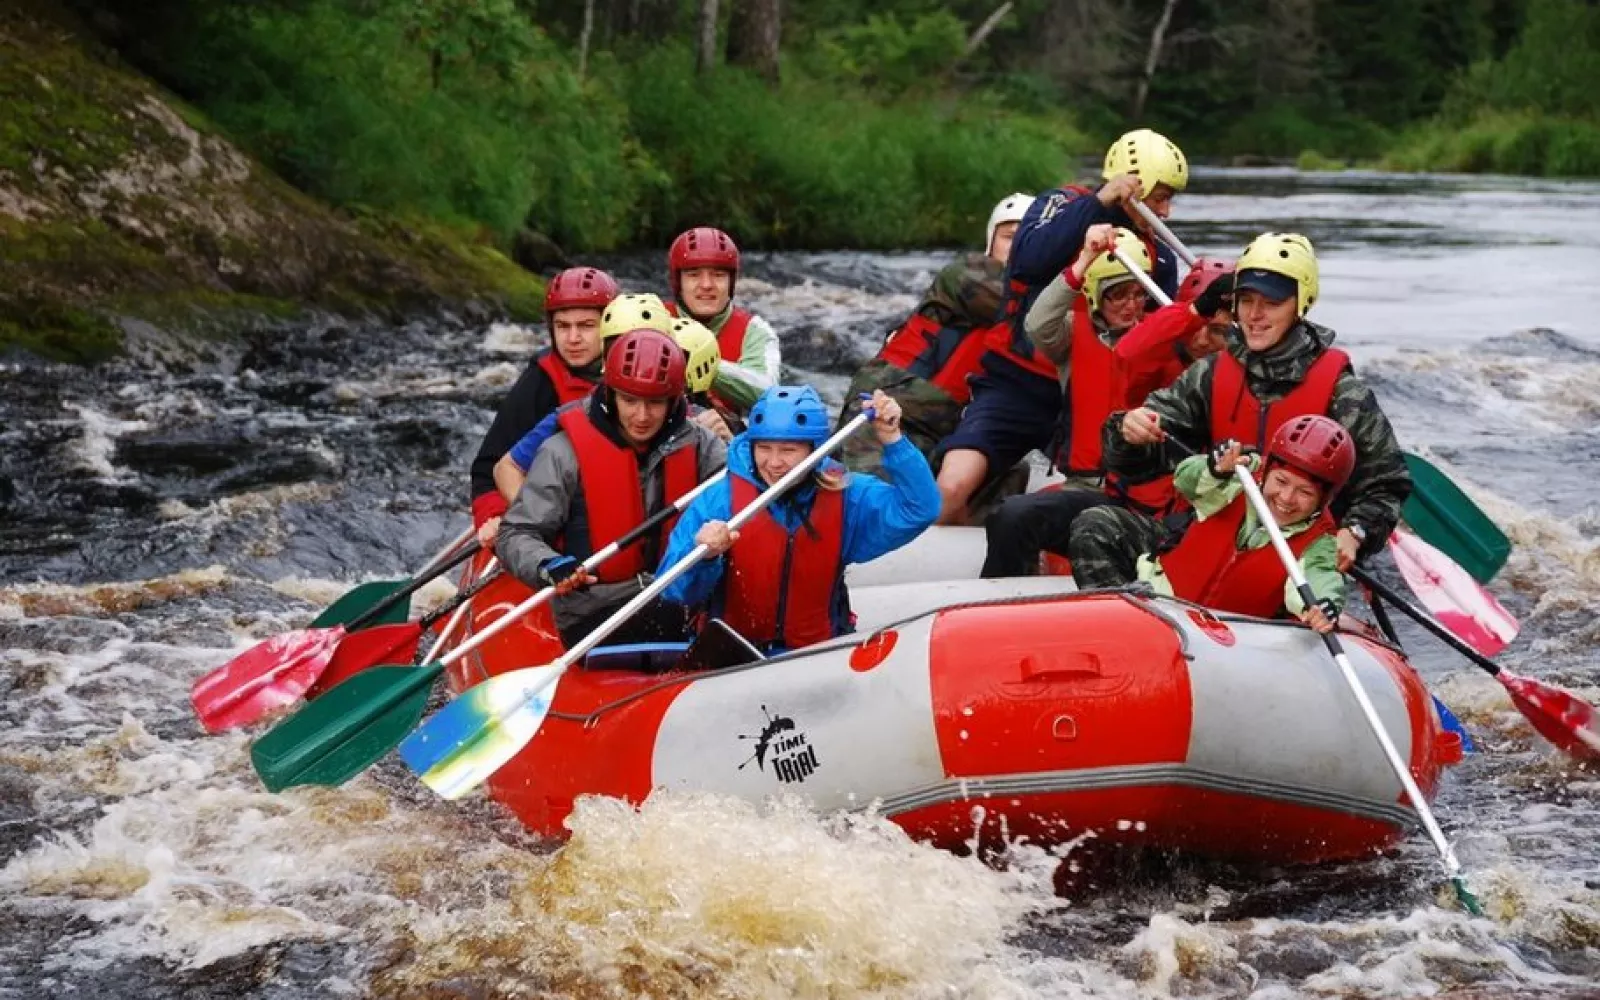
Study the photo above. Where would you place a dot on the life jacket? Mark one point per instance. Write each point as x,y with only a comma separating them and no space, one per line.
1207,567
1237,414
943,355
1089,392
730,339
569,385
1130,385
782,588
613,495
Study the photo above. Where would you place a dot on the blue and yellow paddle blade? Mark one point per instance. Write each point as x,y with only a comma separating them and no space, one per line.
477,733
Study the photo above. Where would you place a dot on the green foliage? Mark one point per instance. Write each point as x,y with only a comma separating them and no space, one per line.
810,165
1503,142
1286,131
888,53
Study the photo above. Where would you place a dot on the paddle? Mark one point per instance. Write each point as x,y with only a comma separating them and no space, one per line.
277,671
1449,519
1451,594
384,643
1398,764
473,736
352,726
1560,716
357,601
1159,227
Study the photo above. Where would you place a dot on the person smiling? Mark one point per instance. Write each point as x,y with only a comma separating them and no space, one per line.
781,585
1277,366
1225,560
703,270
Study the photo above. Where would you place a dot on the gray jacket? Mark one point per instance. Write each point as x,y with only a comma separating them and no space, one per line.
553,493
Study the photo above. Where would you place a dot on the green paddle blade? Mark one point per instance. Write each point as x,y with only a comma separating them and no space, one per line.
347,730
1449,521
359,600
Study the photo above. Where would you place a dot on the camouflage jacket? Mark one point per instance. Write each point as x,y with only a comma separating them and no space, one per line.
966,293
1378,487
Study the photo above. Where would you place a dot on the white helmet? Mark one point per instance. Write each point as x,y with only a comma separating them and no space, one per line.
1011,209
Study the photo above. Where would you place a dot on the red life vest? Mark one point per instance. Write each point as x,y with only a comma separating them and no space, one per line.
1089,387
1237,414
613,494
779,587
943,355
1135,378
730,339
1208,568
569,385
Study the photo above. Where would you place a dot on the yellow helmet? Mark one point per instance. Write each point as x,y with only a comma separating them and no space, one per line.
1151,155
1106,268
1286,254
700,348
639,311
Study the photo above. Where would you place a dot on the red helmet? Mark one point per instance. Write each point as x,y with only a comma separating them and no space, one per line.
1204,271
579,288
645,363
1318,446
702,246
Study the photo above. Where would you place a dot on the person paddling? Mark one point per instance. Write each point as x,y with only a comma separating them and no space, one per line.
926,362
565,371
703,272
1225,560
1017,399
1277,365
1150,356
780,583
619,458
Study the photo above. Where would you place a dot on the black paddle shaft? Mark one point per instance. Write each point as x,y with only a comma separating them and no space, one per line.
1426,620
417,583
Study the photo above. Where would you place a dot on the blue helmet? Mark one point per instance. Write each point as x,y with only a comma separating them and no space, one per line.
789,413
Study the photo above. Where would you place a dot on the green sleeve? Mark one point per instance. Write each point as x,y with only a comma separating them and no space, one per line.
1320,563
756,371
1206,493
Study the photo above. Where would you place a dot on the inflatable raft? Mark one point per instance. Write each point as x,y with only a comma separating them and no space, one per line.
977,711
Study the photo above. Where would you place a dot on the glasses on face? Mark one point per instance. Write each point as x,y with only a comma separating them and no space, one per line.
1124,294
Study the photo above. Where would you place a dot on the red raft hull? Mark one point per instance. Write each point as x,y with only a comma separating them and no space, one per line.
1149,723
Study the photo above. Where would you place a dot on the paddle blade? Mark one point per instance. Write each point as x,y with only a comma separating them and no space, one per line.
359,600
347,730
265,677
1447,517
1451,595
473,736
1559,716
367,648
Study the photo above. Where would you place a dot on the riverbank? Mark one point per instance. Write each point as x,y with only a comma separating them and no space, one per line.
127,221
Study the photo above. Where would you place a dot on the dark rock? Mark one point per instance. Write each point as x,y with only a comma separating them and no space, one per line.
536,252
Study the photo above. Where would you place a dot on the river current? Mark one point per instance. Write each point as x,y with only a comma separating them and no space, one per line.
156,519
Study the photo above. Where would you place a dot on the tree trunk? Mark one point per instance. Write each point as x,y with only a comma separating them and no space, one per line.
755,34
583,38
706,37
989,24
1152,59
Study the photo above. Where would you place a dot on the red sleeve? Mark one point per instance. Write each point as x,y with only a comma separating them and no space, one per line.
1154,336
486,506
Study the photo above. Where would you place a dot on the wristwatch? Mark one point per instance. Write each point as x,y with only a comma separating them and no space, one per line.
1358,531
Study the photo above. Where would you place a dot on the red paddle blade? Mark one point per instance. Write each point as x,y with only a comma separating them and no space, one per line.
369,647
1560,716
267,676
1451,594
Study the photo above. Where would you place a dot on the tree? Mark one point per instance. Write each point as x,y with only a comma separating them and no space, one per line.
755,32
706,37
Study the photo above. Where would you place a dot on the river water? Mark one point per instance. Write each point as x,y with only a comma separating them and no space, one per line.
158,519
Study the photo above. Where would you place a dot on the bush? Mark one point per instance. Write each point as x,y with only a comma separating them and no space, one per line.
1497,142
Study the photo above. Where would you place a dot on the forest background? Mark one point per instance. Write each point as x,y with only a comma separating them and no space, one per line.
836,123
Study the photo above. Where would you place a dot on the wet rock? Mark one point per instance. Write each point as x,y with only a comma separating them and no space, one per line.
186,452
1293,959
20,824
536,252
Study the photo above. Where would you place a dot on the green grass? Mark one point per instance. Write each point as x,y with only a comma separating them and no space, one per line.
1502,142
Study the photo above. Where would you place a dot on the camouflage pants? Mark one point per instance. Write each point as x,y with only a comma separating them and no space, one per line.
928,415
1107,543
